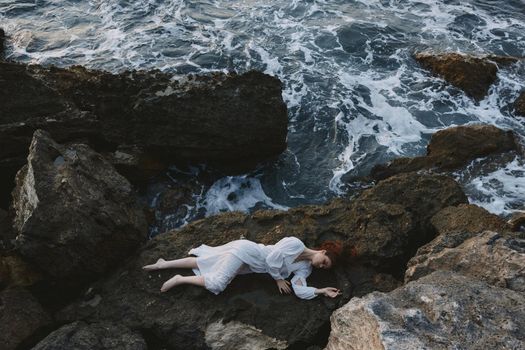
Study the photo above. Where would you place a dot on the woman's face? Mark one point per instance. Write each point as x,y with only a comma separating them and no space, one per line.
321,261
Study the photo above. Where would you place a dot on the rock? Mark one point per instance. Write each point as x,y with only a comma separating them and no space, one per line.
2,43
452,148
16,272
467,218
488,257
519,105
236,335
99,336
473,75
22,319
378,229
517,222
444,310
76,217
235,120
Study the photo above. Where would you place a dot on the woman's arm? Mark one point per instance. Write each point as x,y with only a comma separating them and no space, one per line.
304,292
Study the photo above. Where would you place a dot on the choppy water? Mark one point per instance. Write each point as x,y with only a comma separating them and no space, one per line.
355,95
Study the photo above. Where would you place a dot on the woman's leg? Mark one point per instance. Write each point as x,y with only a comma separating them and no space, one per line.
185,263
178,280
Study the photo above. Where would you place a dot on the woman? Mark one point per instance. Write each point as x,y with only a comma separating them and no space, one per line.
215,267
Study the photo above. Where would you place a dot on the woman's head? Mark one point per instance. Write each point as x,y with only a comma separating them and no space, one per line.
327,254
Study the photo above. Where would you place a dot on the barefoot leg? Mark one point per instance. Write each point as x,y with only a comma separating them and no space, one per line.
178,280
185,263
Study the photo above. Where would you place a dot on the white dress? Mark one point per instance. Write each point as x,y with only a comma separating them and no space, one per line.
219,265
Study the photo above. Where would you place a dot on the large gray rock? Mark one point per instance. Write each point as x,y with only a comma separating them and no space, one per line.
95,336
22,318
487,257
76,217
443,310
378,230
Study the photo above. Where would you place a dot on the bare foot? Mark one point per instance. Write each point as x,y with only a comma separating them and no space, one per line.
172,282
157,266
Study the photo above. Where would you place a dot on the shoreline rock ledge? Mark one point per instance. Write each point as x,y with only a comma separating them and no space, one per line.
234,120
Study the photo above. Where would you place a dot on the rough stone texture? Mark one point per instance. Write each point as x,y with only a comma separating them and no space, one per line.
517,222
224,118
16,272
473,75
467,218
441,311
519,105
99,336
452,148
76,217
378,229
239,336
21,318
487,256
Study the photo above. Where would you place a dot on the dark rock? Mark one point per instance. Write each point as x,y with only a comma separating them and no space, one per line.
452,148
224,118
488,257
517,222
444,310
379,226
14,271
76,217
519,105
22,318
2,44
473,75
99,336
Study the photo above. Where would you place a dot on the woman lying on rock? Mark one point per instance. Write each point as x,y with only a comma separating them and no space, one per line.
215,267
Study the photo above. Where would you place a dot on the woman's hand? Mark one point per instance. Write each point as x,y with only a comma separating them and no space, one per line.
284,286
329,292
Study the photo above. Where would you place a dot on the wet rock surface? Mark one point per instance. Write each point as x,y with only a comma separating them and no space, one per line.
519,105
473,75
223,118
22,319
100,336
444,310
452,148
76,217
378,226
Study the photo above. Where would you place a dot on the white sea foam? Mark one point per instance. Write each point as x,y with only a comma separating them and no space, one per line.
237,193
354,93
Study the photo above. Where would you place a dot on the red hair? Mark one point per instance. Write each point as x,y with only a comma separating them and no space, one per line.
333,250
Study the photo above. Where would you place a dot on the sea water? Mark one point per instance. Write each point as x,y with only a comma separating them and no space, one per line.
355,95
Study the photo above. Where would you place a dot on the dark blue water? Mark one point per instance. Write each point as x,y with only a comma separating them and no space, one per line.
355,95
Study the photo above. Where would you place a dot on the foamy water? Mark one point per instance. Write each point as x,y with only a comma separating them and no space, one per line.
355,95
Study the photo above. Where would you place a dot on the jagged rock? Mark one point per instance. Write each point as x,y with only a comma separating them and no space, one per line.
452,148
467,218
14,271
224,118
22,318
239,336
473,75
517,222
487,257
2,43
519,105
444,310
76,217
380,226
99,336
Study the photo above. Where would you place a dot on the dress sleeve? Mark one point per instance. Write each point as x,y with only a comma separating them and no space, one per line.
301,289
288,246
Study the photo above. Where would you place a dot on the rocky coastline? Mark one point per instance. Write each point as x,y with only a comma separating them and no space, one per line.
422,268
